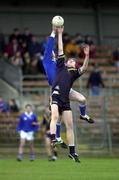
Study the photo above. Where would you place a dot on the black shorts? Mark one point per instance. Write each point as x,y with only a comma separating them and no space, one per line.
62,106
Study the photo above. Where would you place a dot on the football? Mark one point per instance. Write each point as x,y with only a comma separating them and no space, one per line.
58,21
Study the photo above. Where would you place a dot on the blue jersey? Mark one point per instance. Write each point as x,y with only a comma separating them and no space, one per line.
48,63
4,107
25,122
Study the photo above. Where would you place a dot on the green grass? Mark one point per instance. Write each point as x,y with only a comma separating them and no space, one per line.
62,169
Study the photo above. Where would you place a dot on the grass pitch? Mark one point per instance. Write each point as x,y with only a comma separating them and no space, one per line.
62,169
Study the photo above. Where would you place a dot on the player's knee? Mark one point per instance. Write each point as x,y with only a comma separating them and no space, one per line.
83,100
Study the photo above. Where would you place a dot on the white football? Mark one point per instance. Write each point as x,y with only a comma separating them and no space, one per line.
58,21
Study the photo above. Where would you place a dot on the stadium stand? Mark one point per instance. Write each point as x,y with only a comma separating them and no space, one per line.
33,87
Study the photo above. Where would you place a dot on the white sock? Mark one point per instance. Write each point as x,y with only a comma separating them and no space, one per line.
59,138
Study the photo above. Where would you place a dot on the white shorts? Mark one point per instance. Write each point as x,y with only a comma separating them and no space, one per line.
29,136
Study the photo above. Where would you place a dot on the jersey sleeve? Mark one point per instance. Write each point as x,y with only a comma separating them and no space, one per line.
76,74
48,51
36,127
35,118
19,125
60,61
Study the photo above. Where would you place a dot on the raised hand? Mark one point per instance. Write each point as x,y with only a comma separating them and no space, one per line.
60,29
86,50
54,29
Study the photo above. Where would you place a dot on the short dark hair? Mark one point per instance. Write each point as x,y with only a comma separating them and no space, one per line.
68,59
28,105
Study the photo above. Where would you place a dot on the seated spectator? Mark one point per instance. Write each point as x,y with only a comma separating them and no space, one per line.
12,47
26,63
66,39
116,58
16,35
88,40
4,109
24,48
27,36
34,47
79,39
34,70
17,59
13,107
71,49
92,51
95,81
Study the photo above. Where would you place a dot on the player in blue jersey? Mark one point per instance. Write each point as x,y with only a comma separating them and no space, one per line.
49,63
28,124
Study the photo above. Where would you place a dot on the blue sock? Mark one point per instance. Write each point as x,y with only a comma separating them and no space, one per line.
58,125
82,109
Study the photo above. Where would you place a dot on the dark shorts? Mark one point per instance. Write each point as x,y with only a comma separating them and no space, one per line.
62,106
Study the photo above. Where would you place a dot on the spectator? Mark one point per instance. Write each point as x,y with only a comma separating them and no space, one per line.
95,81
79,39
88,40
116,58
16,35
71,49
17,59
34,66
3,106
66,39
92,51
13,106
34,47
12,48
24,48
26,63
27,36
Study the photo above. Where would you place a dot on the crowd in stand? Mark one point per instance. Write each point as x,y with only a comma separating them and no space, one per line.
8,107
26,50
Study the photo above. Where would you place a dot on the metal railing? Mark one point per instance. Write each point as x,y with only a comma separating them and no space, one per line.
97,138
11,74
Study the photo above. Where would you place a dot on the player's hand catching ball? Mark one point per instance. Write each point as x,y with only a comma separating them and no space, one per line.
54,29
60,29
86,50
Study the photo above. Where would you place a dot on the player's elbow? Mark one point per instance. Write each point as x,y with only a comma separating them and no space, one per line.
84,69
60,52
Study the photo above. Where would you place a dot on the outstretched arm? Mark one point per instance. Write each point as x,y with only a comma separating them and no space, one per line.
49,47
60,60
84,67
60,41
